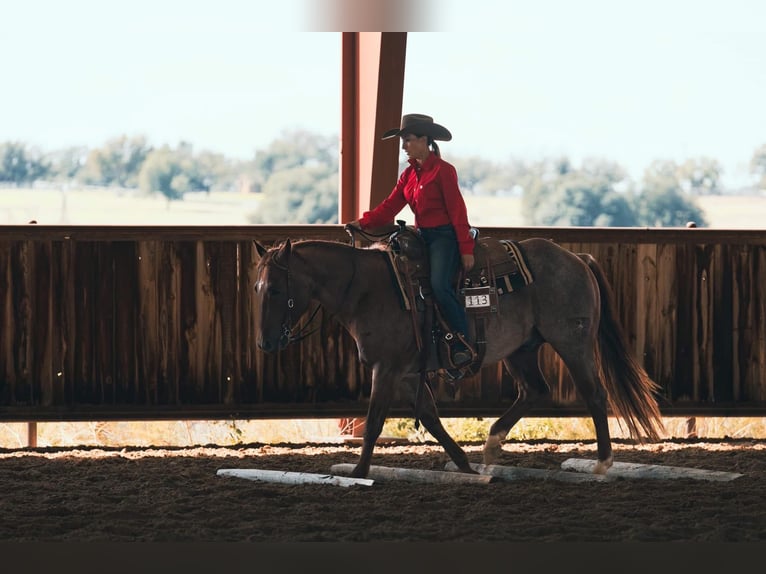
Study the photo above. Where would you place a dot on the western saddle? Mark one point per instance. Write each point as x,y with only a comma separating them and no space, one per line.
499,268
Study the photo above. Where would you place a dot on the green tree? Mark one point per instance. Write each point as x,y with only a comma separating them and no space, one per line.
161,173
538,185
118,162
662,201
557,194
299,195
294,149
701,176
173,172
662,175
579,199
300,180
212,171
20,164
473,173
609,172
66,163
667,208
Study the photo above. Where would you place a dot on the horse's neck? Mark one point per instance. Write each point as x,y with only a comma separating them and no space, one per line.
333,270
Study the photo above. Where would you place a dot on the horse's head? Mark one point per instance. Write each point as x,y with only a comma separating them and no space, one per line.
282,297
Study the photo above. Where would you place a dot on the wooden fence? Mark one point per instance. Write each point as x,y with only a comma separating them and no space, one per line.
109,323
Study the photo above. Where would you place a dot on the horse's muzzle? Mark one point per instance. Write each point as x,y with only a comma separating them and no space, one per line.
272,345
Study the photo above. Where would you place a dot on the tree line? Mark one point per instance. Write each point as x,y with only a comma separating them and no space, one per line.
297,177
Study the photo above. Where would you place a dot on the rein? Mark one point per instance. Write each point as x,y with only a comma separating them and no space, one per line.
287,329
351,230
300,335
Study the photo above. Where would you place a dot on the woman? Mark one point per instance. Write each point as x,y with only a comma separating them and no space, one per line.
429,186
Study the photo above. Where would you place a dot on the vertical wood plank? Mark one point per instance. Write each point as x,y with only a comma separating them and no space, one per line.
24,320
102,310
647,324
68,338
7,324
664,342
147,312
127,334
721,383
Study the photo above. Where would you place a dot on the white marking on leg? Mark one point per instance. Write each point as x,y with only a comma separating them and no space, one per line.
493,448
603,465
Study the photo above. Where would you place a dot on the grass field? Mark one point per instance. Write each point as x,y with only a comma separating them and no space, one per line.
722,212
104,207
112,207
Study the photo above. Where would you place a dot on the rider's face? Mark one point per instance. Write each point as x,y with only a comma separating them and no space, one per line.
416,147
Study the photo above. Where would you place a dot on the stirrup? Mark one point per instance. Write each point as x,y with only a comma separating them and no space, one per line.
461,354
454,374
461,358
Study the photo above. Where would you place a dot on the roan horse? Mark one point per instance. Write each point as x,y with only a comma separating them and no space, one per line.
569,305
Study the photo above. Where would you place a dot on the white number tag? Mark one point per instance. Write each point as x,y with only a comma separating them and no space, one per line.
477,298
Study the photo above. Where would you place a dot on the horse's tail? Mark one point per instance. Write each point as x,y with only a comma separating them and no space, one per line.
631,391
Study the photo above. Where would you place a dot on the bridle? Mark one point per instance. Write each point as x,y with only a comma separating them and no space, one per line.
288,332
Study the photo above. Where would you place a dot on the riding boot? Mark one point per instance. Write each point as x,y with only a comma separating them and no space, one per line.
462,356
461,353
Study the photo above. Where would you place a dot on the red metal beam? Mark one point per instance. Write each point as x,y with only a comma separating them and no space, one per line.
372,88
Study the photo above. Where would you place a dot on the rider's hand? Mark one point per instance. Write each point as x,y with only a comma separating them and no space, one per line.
467,261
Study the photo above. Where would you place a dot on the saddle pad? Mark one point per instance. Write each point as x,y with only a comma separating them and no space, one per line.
518,278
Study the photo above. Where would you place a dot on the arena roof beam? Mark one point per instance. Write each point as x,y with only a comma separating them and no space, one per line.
372,86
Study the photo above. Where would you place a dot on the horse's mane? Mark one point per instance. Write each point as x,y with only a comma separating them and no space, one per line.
277,245
381,245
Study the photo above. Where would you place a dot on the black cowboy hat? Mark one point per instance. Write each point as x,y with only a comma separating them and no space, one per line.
421,125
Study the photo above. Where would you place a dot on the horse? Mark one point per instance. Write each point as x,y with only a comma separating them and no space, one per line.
569,305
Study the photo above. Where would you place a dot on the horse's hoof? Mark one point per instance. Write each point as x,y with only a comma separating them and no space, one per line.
358,473
603,465
492,449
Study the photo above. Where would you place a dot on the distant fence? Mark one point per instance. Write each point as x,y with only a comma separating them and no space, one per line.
128,323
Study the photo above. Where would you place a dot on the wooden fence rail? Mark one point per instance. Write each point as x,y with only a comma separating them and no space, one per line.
107,323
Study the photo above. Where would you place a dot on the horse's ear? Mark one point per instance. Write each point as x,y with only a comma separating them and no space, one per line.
284,252
260,250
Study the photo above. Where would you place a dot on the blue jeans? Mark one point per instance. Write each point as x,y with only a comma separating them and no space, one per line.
444,261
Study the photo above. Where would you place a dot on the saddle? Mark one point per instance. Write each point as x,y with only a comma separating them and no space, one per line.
499,268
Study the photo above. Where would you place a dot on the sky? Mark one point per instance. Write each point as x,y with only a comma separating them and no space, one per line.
626,81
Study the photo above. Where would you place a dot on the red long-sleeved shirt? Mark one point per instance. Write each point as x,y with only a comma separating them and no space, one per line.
431,190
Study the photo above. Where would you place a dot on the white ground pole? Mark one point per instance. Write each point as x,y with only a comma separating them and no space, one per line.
286,477
384,473
508,473
637,470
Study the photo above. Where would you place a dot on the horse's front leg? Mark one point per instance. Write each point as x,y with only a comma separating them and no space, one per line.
428,413
383,381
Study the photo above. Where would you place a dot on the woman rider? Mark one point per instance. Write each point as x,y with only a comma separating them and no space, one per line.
429,185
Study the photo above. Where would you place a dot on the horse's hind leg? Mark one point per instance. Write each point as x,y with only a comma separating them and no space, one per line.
585,376
523,366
